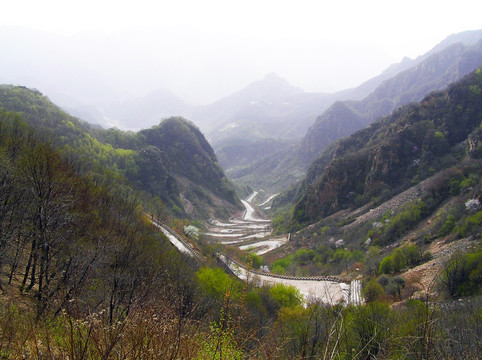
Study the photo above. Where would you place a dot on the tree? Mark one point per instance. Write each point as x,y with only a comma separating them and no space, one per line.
395,286
372,291
398,259
386,266
216,283
372,326
286,296
50,199
462,274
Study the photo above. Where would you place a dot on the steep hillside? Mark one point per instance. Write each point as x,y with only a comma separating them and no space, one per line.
180,147
66,237
172,161
415,142
435,72
396,204
399,84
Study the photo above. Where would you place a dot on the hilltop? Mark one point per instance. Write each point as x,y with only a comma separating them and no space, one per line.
171,161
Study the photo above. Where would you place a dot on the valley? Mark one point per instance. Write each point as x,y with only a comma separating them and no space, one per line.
273,223
329,290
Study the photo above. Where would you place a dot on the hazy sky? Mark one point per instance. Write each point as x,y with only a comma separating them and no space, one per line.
205,49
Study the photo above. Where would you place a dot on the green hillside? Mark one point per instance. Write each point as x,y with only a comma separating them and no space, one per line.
435,72
171,161
394,153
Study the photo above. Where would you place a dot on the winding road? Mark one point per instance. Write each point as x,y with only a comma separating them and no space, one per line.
326,289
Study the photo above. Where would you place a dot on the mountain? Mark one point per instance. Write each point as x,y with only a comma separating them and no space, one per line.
392,154
172,161
249,127
268,108
273,91
435,72
178,152
401,83
470,37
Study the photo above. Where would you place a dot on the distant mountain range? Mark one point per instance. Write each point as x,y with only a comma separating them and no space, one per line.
395,152
267,134
432,71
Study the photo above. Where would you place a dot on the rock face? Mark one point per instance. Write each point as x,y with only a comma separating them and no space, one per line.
392,154
175,155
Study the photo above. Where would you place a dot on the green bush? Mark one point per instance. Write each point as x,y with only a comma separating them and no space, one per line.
472,225
280,266
386,266
372,291
399,260
254,259
304,257
286,296
462,274
412,254
216,283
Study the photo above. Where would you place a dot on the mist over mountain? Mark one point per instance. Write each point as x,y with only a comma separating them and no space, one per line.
255,131
467,37
435,72
432,71
130,64
269,108
143,112
398,151
123,160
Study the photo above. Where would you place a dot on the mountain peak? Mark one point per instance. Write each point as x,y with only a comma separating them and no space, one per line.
273,76
271,88
275,79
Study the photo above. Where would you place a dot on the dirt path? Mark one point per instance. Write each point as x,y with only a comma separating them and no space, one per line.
394,203
427,275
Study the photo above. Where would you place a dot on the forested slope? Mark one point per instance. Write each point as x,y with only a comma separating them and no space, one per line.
418,140
435,72
172,161
65,236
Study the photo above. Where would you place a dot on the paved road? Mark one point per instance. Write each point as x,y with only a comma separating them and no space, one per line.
326,289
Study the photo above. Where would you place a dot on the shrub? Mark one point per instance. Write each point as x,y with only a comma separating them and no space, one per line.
399,260
384,280
471,225
386,266
412,254
372,291
462,274
280,266
216,283
255,260
304,256
286,296
447,226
